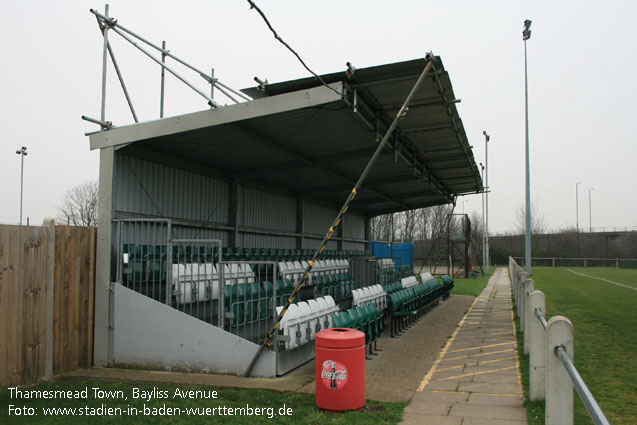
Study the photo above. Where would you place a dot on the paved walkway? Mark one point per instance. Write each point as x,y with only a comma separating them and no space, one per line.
476,378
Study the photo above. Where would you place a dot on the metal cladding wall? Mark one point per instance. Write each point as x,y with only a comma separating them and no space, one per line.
150,189
251,240
316,243
357,246
353,227
317,219
264,210
197,204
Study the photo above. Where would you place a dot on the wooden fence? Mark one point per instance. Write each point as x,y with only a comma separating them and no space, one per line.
24,253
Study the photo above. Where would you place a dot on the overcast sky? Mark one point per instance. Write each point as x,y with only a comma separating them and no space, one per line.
582,86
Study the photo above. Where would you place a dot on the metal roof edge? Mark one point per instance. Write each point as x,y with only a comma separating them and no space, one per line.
207,118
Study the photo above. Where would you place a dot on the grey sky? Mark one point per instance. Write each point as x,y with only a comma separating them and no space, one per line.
582,67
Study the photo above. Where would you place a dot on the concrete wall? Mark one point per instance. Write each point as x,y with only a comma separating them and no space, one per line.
151,334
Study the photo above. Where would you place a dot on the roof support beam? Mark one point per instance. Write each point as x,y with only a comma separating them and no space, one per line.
428,128
456,127
256,135
394,80
371,111
284,167
376,181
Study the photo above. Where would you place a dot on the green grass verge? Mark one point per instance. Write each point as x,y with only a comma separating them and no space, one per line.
605,324
303,408
534,410
471,286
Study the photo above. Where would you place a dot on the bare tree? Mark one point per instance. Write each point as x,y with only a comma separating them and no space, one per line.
538,226
79,207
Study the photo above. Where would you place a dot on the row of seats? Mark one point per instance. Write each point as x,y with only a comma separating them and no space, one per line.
294,270
447,285
374,294
405,271
409,281
339,286
385,271
204,278
267,254
147,263
385,263
304,319
366,318
390,288
408,305
250,302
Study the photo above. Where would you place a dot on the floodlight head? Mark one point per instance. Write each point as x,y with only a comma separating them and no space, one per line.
526,34
486,135
18,152
24,148
351,69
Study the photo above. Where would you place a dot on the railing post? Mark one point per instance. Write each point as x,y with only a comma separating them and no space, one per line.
529,315
537,348
514,277
520,301
559,386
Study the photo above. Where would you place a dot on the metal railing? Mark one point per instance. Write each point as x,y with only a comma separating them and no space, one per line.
604,229
577,262
549,344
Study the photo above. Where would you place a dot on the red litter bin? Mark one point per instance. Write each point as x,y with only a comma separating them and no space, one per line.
340,369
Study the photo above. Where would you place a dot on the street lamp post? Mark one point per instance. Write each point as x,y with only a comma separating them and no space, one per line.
22,152
590,211
526,34
486,197
484,246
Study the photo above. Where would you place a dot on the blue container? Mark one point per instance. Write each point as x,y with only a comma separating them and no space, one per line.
402,254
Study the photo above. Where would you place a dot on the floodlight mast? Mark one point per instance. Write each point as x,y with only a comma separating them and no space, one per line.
22,152
526,34
486,203
590,211
484,246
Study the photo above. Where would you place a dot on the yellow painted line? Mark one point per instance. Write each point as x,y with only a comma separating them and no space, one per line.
517,360
501,394
476,363
455,367
477,373
496,360
483,346
480,354
429,374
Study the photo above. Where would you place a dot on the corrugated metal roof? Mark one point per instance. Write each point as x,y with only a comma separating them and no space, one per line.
320,150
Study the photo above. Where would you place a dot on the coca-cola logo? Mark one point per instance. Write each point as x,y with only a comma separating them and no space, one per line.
334,375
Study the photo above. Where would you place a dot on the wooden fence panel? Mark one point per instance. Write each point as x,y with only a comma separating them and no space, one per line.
23,253
73,312
23,264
